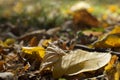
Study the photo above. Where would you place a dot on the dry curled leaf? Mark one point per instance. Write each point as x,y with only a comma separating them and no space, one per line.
53,53
79,61
73,63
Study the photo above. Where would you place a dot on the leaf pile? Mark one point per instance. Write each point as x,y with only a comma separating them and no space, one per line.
82,47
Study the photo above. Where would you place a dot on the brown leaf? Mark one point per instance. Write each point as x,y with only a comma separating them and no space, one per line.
2,65
82,17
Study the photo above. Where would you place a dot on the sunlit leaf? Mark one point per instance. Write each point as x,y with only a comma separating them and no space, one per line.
113,8
80,5
53,54
31,50
117,76
115,30
45,42
112,70
80,61
90,10
109,41
9,41
111,63
18,8
3,44
73,63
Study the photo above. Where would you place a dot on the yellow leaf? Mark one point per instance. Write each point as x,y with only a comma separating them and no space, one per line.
3,44
115,30
9,41
105,16
116,75
111,63
30,50
108,41
18,8
113,41
113,8
112,70
45,42
90,10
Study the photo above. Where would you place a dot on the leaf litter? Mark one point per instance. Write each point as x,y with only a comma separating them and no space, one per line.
81,48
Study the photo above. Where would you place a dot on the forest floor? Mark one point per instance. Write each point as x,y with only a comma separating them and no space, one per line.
59,40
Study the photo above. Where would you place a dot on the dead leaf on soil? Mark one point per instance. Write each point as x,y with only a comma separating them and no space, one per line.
110,40
30,50
83,17
112,70
80,61
73,63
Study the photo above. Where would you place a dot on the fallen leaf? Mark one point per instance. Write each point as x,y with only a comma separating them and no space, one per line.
6,76
18,8
73,63
9,41
30,50
112,70
33,42
113,8
46,42
108,41
2,65
53,53
80,5
111,63
80,61
115,30
83,17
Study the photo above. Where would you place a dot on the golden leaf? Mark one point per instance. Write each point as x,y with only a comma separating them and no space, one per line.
112,70
9,41
90,10
108,41
113,8
30,50
18,8
111,63
115,30
45,42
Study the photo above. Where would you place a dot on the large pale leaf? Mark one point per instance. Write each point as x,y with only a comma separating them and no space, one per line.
79,61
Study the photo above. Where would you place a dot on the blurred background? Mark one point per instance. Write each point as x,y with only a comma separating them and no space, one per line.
45,14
